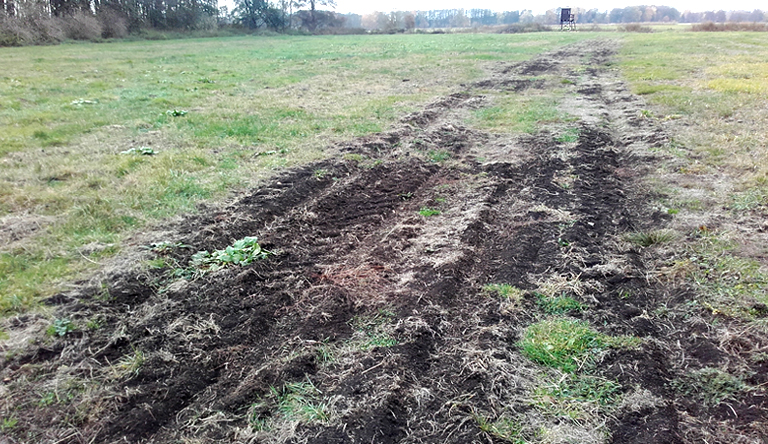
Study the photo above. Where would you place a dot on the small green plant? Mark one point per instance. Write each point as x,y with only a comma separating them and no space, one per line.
141,151
205,80
129,365
570,135
427,212
301,400
176,112
378,340
710,386
94,324
648,238
438,156
61,327
48,398
504,291
568,344
8,424
562,242
354,157
320,173
166,247
503,428
242,252
558,305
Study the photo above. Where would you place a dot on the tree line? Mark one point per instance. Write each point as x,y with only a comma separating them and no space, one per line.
461,18
40,21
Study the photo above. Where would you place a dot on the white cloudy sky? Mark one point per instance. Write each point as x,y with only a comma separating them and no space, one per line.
364,7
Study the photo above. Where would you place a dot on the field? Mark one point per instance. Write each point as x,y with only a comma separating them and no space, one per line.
539,238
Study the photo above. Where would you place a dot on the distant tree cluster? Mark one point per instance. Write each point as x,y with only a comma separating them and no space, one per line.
461,18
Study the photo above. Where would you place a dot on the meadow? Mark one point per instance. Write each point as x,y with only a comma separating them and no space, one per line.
98,140
465,237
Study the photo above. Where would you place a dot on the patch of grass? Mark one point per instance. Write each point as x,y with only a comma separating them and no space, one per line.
504,291
8,424
518,114
649,238
129,365
438,156
570,135
576,397
568,344
710,386
558,305
59,115
373,330
427,212
731,283
293,402
504,429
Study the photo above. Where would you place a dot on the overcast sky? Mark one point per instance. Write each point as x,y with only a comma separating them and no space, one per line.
368,6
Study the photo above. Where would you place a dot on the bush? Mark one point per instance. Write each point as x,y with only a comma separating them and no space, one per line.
30,30
114,24
516,28
635,27
722,27
82,26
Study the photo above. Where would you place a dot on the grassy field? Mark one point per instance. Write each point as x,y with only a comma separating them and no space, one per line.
99,140
710,90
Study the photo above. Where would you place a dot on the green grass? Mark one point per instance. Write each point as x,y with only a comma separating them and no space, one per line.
568,344
504,291
576,397
427,212
517,113
293,402
217,114
559,304
710,386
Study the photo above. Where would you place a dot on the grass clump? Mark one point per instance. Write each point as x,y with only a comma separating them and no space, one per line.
294,402
242,252
570,135
710,386
427,212
568,344
559,304
576,397
504,291
372,331
503,428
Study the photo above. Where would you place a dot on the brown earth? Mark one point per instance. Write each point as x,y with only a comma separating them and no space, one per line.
378,313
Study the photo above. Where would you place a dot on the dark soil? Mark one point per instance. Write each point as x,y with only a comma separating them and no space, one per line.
355,265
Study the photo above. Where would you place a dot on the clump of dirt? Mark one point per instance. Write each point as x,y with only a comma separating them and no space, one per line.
370,322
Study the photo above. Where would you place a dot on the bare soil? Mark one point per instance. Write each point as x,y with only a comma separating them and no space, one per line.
382,309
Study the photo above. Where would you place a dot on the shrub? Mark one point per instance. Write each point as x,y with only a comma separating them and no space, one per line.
82,26
114,24
635,27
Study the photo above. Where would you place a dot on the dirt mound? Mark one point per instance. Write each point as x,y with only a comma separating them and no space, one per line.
371,321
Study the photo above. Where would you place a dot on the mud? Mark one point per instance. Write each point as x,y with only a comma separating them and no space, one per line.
381,309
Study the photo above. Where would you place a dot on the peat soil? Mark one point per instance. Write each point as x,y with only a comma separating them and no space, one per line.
370,322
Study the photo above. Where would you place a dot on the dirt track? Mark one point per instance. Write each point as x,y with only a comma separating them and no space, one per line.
382,309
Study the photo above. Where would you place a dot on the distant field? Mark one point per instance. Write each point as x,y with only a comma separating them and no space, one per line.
218,114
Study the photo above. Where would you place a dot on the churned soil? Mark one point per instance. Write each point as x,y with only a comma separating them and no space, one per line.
375,313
